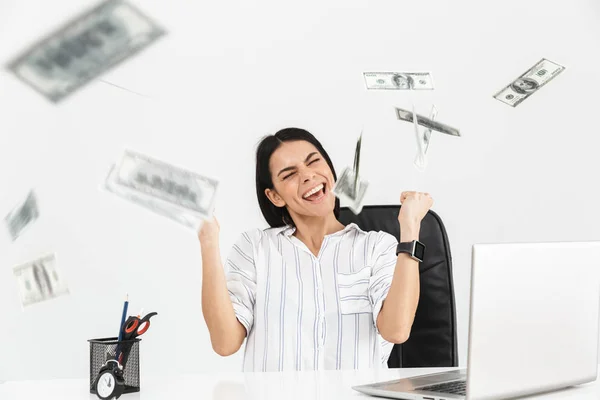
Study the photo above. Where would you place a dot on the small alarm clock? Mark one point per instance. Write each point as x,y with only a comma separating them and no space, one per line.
110,382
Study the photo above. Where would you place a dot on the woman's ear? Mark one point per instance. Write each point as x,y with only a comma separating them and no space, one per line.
275,198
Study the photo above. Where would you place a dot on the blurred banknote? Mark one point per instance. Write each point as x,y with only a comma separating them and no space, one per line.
22,216
398,80
346,190
423,140
84,48
529,83
349,186
39,280
183,196
426,138
405,115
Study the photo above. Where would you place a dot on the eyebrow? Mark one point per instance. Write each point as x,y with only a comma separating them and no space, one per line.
293,167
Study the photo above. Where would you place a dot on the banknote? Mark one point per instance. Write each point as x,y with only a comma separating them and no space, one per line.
183,196
149,203
357,165
427,132
529,83
40,280
84,48
398,80
345,189
22,216
406,115
423,139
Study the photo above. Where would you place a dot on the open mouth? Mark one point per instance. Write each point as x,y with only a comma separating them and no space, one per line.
316,194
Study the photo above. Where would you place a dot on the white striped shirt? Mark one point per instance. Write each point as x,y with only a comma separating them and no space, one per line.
311,313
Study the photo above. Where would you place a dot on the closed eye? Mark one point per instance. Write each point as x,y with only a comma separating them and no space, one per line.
313,161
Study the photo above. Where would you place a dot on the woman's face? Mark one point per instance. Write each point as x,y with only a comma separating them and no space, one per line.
297,168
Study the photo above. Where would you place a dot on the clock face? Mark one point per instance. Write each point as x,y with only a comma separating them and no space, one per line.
106,385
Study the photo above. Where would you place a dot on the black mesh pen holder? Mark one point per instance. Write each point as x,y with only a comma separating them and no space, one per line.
102,350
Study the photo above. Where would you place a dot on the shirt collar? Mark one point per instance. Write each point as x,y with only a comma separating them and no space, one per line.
289,230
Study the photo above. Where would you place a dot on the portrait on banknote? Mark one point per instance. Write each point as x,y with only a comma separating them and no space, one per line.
524,86
403,81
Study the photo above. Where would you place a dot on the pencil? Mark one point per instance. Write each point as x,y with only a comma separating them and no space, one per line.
123,317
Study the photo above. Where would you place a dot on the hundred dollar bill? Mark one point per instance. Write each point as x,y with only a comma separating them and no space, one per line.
398,80
345,189
406,115
423,140
22,216
427,132
183,196
357,165
154,205
529,83
84,48
40,280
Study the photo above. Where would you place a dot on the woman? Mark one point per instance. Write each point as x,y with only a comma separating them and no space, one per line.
308,293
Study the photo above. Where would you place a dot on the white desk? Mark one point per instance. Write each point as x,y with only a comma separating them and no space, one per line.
323,385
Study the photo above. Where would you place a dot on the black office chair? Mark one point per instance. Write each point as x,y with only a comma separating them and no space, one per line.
432,341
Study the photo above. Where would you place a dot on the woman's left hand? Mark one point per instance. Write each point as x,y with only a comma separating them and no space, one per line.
414,207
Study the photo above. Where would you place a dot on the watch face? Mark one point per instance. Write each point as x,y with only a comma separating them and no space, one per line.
106,385
419,250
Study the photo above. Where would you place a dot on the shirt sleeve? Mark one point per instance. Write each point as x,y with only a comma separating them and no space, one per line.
384,263
240,274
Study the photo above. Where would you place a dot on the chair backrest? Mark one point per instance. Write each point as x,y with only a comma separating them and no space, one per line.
433,340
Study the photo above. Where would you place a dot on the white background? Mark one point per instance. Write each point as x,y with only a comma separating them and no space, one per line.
230,72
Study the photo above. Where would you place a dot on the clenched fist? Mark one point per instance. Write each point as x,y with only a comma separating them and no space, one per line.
414,207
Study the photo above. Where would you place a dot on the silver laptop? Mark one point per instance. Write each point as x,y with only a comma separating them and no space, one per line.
533,325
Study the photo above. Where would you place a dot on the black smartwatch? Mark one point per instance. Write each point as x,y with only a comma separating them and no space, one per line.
415,248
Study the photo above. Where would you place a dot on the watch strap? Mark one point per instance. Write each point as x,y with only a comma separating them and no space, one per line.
414,248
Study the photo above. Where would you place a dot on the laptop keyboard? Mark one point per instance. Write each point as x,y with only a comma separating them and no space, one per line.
453,387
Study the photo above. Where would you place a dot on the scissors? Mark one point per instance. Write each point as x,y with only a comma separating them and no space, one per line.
134,327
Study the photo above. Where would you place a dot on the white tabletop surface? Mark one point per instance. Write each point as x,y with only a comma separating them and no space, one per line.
326,385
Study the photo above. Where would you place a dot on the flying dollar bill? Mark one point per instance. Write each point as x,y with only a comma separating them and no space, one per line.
349,186
529,83
356,165
423,140
405,115
427,132
345,189
398,80
22,216
183,196
40,280
84,48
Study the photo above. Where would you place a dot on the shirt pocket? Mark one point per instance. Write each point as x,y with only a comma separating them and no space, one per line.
354,291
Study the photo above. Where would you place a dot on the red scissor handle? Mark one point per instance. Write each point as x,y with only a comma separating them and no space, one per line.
132,325
136,323
143,327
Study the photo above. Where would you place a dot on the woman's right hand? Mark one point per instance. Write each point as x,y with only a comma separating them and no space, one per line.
209,232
